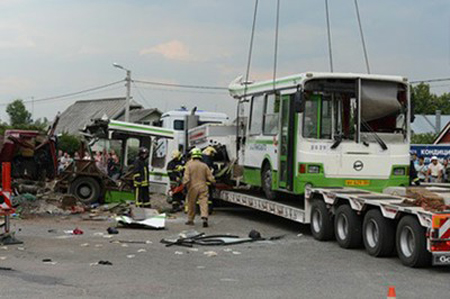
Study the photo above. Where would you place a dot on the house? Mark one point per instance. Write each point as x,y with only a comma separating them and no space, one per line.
444,135
427,123
80,113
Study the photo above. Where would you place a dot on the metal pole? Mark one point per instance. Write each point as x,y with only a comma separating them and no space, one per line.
127,106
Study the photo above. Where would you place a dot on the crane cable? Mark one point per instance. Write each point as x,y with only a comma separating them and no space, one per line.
330,51
362,37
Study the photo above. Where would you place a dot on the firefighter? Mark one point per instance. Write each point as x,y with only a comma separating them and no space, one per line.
208,157
140,179
196,177
176,166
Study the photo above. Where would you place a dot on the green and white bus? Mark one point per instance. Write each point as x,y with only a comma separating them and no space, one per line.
323,130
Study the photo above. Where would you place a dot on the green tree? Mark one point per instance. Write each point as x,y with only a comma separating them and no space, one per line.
68,143
426,138
18,114
426,102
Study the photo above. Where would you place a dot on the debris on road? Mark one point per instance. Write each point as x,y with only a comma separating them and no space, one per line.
105,263
76,231
5,269
154,222
210,253
192,237
112,230
130,256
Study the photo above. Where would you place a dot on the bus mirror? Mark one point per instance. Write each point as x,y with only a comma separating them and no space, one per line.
298,102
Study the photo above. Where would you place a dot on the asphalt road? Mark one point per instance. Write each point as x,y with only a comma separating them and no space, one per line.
296,266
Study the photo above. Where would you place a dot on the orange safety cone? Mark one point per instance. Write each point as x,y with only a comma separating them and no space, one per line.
391,293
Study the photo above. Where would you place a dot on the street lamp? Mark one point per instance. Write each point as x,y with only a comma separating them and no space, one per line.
128,85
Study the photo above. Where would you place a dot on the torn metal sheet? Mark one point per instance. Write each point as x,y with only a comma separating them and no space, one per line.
155,222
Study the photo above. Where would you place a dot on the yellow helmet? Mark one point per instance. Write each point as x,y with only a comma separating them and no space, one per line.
209,151
196,153
176,154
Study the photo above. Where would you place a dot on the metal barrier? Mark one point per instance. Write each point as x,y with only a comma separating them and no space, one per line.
6,209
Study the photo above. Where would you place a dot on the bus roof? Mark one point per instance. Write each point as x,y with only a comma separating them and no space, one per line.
184,112
237,89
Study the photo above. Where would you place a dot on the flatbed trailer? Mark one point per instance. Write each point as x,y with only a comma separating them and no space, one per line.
385,224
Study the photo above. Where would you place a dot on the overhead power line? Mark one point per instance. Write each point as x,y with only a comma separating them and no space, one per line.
181,85
366,57
70,94
430,80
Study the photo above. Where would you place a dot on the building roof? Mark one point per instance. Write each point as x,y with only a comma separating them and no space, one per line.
137,115
442,134
82,112
426,123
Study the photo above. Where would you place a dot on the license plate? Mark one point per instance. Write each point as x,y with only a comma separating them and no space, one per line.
357,182
441,259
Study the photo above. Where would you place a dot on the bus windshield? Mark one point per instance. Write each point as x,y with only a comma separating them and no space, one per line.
360,110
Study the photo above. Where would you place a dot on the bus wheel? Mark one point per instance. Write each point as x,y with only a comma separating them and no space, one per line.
85,189
347,227
378,234
321,221
266,182
411,243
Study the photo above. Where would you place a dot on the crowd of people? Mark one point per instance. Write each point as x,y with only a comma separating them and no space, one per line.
108,162
437,171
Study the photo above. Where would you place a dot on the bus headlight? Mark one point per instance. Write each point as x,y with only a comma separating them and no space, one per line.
313,169
399,171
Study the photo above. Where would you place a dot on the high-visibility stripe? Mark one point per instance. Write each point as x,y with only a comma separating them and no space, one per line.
445,229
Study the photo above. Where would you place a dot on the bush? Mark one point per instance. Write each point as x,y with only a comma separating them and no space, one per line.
426,138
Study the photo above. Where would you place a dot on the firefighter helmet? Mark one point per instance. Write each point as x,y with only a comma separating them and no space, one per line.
196,153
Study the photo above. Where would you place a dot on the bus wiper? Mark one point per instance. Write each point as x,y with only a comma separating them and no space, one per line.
338,140
377,138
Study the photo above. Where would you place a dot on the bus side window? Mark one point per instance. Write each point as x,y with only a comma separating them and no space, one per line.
271,115
257,115
325,123
310,116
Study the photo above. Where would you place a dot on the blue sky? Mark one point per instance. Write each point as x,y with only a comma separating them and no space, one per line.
54,47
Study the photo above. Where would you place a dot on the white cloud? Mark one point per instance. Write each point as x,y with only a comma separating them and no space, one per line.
173,50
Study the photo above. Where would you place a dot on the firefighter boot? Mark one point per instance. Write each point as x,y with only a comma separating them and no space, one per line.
205,222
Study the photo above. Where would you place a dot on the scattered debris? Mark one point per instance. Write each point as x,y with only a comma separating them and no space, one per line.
4,248
193,249
84,245
52,231
112,230
130,242
76,231
105,263
192,237
130,256
300,235
228,250
98,245
210,253
21,248
2,258
235,252
178,252
142,250
155,222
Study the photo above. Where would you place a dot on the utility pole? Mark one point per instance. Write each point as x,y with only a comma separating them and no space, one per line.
127,105
128,85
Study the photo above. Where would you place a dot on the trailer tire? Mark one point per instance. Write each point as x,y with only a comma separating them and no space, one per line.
266,182
321,222
85,189
378,234
411,243
347,227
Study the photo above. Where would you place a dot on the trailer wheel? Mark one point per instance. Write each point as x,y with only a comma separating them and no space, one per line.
411,243
321,221
85,189
378,234
266,182
347,227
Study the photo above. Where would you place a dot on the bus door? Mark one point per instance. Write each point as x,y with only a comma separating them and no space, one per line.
286,146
